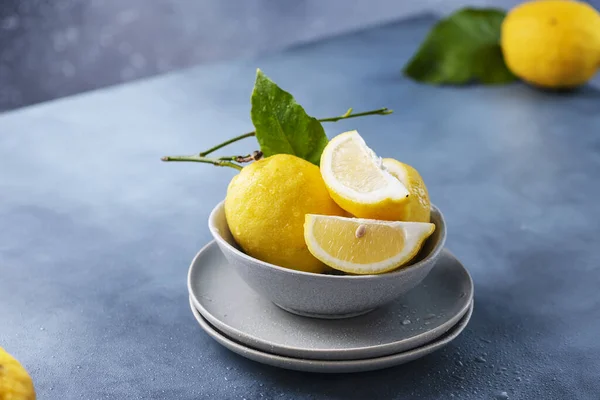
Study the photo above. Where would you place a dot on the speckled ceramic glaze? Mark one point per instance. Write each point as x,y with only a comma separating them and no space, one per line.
418,317
328,366
326,296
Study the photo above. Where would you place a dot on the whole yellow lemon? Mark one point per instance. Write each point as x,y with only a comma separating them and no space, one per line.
15,382
265,208
552,43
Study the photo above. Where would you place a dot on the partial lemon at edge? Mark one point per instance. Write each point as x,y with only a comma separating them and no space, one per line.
15,382
552,43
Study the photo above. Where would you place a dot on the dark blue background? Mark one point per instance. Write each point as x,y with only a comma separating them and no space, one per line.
54,48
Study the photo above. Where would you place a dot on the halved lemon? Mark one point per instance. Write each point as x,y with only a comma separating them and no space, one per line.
417,208
364,246
358,181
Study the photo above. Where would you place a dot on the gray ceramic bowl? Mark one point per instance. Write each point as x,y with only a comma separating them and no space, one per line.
326,296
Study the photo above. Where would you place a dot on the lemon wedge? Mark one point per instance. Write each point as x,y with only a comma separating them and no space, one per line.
358,181
417,208
364,246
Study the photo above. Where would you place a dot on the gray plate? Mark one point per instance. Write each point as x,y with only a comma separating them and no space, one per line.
328,366
419,317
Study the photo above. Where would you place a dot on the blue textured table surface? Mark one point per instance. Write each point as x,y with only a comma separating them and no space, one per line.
97,234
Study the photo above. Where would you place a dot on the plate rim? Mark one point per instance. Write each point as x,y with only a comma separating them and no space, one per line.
333,355
331,366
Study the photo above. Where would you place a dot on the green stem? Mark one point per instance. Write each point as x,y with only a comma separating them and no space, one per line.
349,114
226,161
219,162
232,140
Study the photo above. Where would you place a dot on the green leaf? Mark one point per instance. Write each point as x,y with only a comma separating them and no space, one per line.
282,125
462,48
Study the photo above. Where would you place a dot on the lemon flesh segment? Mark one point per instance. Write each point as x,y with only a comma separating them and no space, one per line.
364,246
417,208
358,181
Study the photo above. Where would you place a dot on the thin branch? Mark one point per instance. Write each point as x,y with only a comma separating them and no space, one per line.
196,158
255,156
229,161
232,140
348,114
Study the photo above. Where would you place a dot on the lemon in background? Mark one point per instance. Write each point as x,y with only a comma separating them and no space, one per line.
552,43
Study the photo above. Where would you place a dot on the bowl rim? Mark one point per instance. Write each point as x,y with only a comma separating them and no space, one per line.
434,254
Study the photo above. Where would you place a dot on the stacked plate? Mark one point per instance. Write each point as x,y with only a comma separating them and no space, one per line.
424,320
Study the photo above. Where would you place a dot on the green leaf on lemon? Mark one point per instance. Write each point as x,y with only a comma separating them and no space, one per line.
282,126
462,48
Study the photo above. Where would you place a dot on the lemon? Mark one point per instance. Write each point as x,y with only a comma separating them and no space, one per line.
552,43
15,382
417,208
265,208
364,246
358,181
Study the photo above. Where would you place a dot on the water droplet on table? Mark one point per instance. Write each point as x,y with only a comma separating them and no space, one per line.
502,396
459,363
480,360
429,316
518,379
406,322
